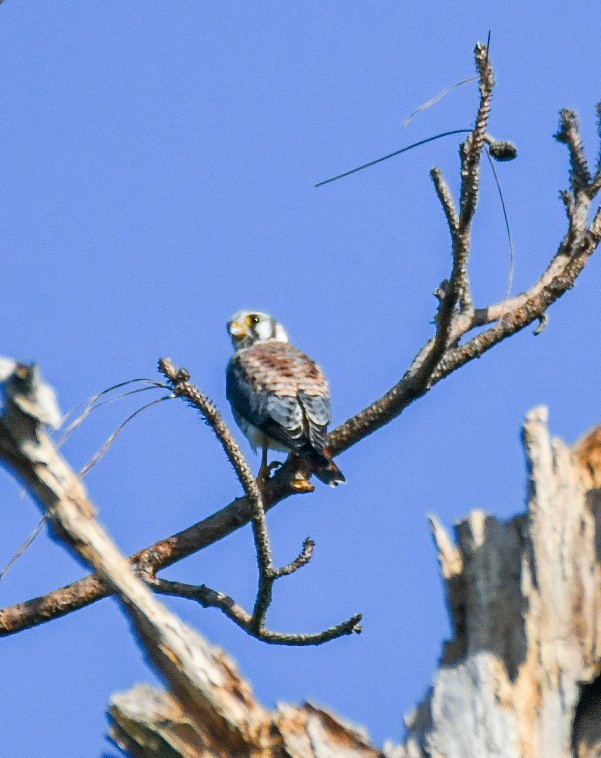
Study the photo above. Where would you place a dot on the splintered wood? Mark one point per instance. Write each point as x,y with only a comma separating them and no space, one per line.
518,679
524,597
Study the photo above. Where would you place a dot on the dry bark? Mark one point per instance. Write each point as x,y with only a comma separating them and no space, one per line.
458,339
519,677
524,597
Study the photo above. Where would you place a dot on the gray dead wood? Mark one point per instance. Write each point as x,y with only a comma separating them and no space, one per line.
518,679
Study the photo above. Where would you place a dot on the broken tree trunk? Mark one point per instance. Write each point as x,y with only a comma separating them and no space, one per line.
519,677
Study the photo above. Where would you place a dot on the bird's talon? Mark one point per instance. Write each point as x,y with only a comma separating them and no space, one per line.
265,472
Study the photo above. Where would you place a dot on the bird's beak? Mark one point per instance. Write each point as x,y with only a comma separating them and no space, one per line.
237,330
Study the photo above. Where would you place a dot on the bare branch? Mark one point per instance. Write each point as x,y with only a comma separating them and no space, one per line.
454,294
209,598
189,665
254,624
533,308
446,199
160,555
302,560
183,388
471,149
517,313
569,133
596,183
439,357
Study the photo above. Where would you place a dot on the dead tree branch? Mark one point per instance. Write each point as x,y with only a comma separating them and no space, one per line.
253,624
149,723
439,357
433,362
192,669
519,675
209,598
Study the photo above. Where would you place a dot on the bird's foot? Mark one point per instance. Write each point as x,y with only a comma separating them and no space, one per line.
265,473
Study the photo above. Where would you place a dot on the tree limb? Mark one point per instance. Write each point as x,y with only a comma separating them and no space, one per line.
253,623
519,675
438,358
187,662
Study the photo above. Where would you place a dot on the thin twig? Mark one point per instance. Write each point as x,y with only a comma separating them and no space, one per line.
596,183
24,546
254,624
472,147
94,402
432,363
209,598
182,387
437,98
91,405
304,557
569,134
107,445
446,199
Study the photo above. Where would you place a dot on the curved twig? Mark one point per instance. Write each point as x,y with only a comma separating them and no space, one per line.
438,358
253,623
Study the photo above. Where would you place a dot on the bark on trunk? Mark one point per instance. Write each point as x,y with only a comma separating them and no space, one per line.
519,677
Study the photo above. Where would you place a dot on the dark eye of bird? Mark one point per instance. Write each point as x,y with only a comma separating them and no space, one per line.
252,320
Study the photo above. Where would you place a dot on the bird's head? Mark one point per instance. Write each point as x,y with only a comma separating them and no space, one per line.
248,327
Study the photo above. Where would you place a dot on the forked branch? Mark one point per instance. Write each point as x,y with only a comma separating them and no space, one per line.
255,623
443,354
437,359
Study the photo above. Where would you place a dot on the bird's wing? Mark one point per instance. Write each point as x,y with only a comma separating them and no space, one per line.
244,398
277,389
250,383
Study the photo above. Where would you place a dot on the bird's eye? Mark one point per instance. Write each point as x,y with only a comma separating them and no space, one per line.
252,320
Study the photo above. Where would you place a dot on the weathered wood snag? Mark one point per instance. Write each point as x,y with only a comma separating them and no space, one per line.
524,598
518,678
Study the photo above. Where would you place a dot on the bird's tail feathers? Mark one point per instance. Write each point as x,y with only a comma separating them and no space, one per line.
325,469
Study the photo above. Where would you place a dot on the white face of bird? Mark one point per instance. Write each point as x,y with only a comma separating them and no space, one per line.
248,327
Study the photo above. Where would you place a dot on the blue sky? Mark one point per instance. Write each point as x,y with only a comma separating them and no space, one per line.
158,164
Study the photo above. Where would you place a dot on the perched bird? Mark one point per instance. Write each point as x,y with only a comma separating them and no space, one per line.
279,396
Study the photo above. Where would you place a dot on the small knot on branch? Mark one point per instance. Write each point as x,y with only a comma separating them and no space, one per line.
543,323
177,376
502,150
25,394
442,291
354,625
568,124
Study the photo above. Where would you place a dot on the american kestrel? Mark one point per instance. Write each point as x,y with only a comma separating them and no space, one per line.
279,396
